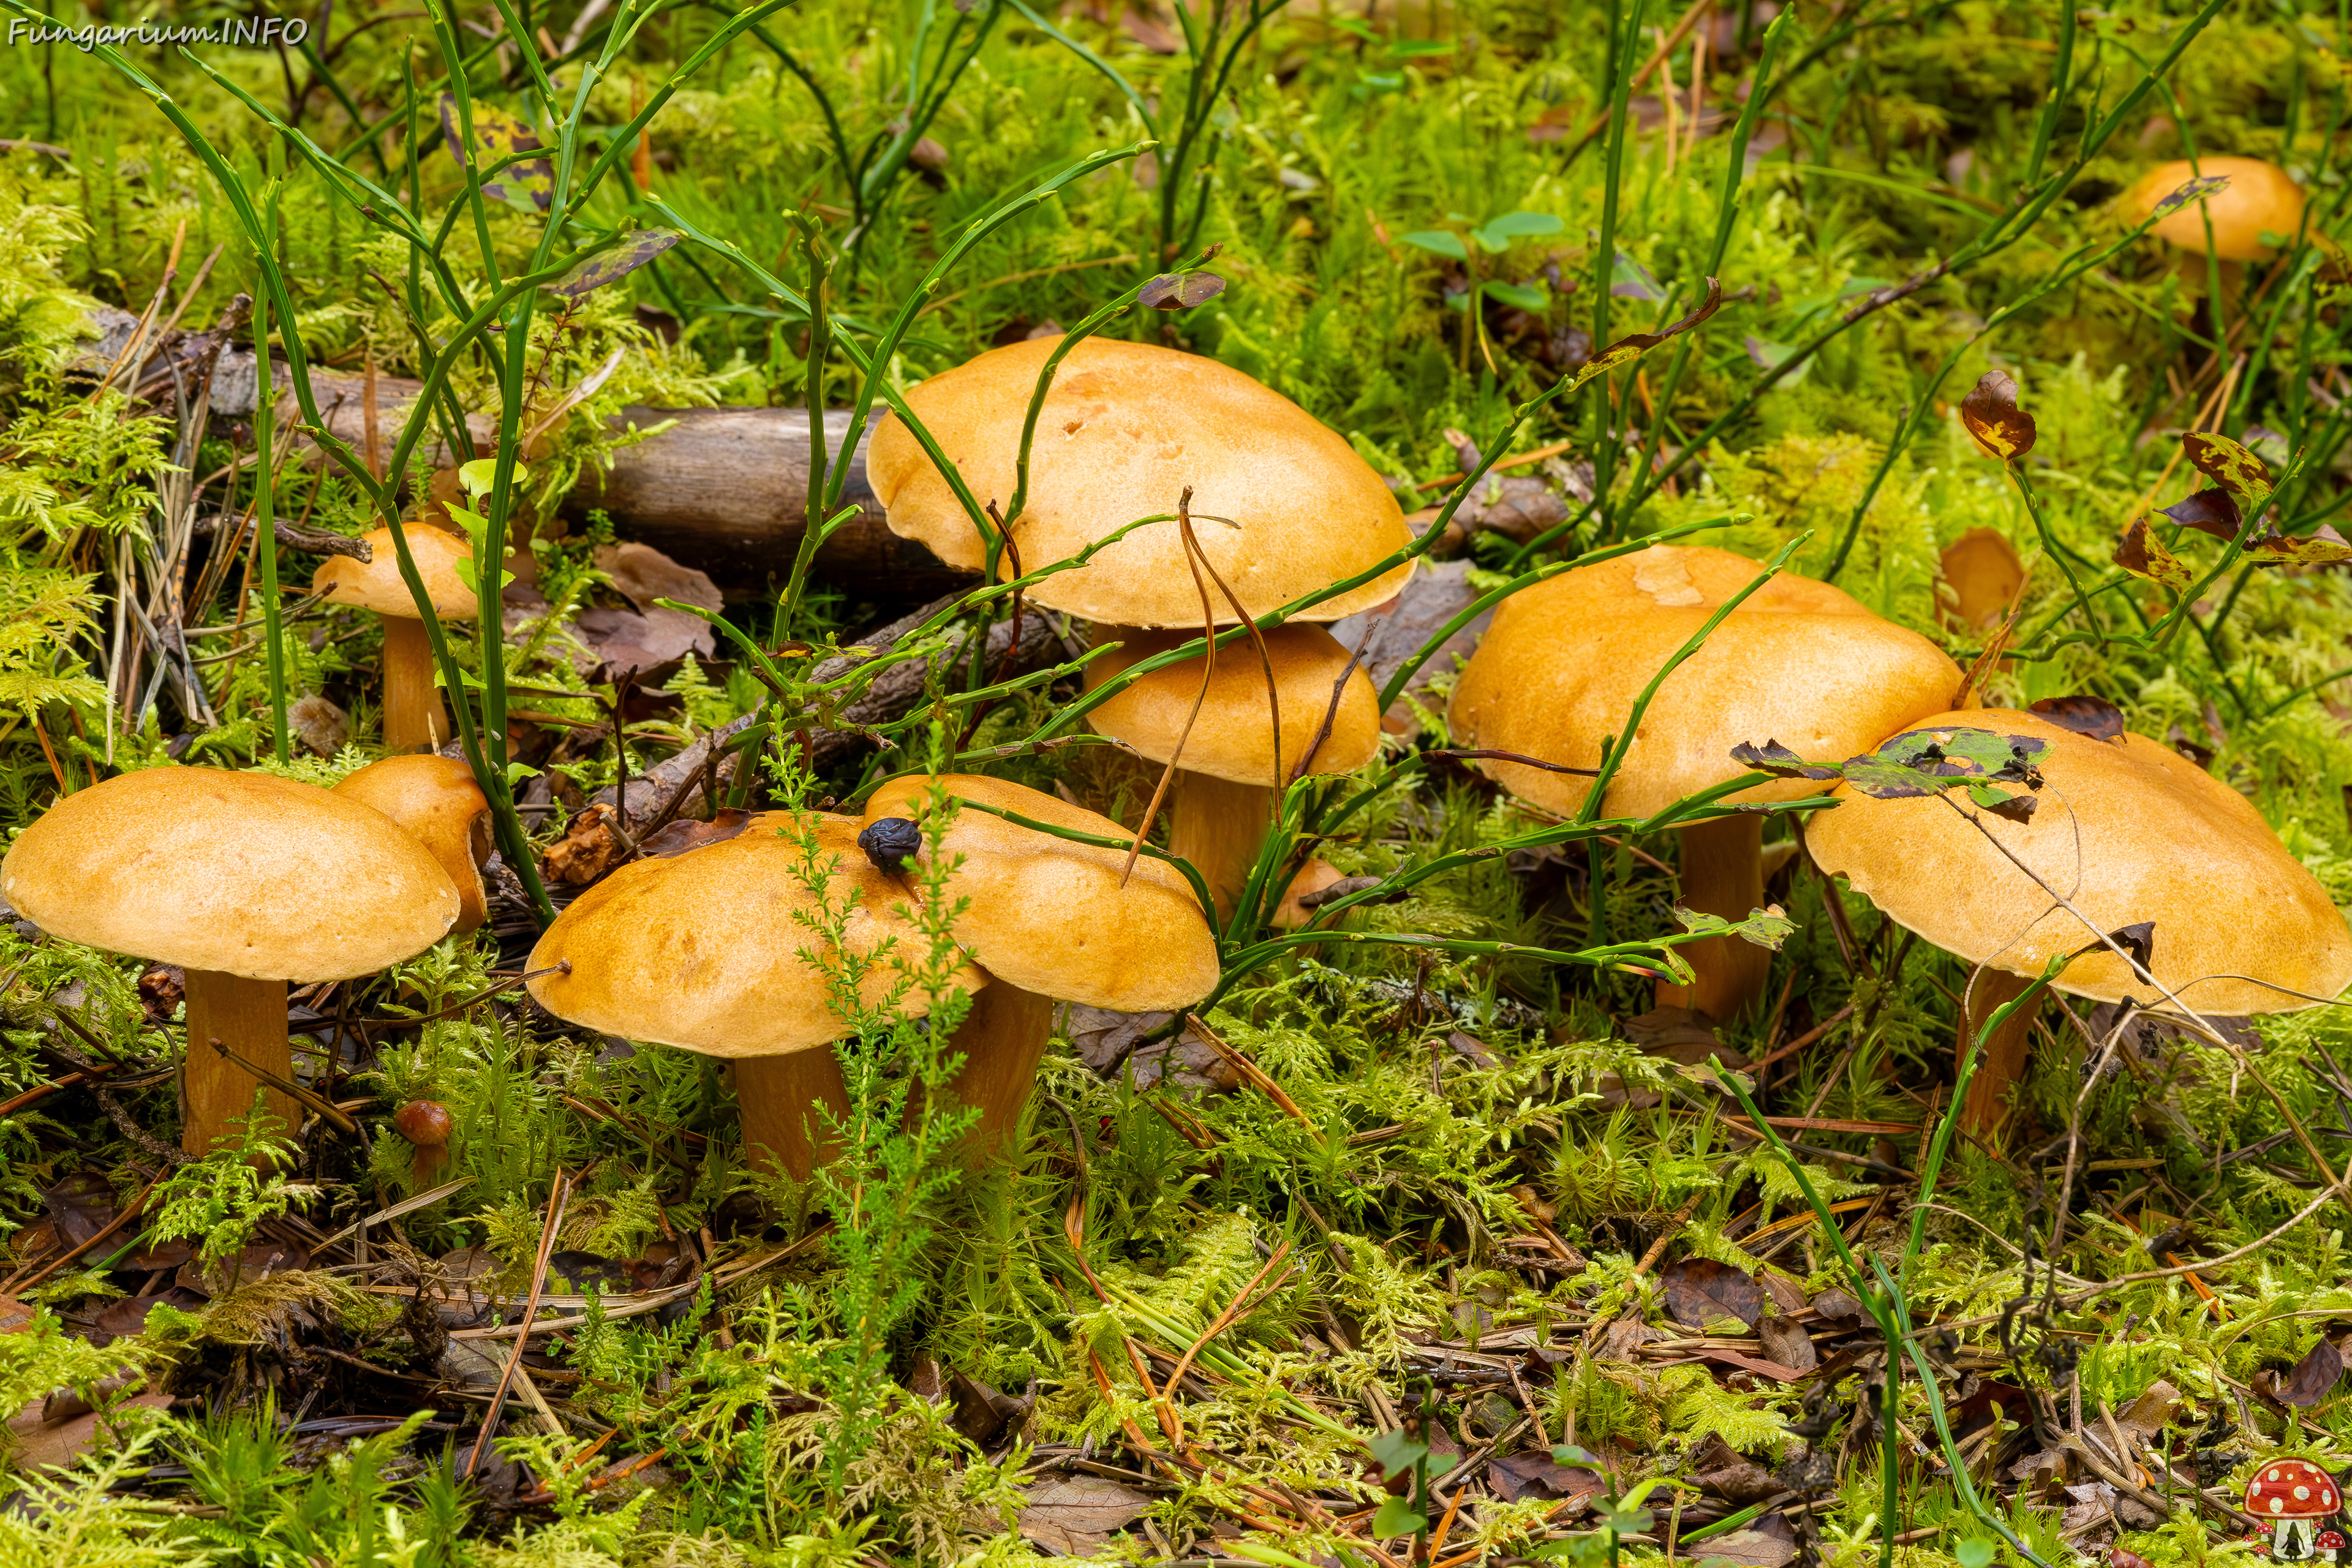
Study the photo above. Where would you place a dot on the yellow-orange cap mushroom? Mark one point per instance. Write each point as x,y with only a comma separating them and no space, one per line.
1125,429
2130,830
1232,738
435,799
2259,200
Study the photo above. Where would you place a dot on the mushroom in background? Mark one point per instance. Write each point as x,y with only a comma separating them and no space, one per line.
1229,780
2131,831
704,951
1050,920
1978,579
436,802
1799,662
244,880
412,715
2260,199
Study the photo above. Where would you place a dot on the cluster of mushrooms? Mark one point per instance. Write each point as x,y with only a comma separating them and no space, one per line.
248,881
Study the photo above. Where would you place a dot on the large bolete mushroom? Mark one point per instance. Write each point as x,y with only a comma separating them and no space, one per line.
1051,921
1126,429
2259,200
437,801
2130,831
412,714
1229,776
1797,661
704,951
1282,506
245,881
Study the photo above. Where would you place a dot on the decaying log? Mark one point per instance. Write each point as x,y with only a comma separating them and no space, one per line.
724,489
590,845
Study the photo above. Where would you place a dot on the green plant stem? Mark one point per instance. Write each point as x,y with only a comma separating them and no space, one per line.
265,529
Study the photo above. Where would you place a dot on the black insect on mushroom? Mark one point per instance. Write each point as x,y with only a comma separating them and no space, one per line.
890,843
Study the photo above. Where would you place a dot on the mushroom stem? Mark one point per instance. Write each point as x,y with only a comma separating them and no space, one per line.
1218,825
2003,1062
412,715
425,1170
248,1017
1001,1039
778,1097
1723,874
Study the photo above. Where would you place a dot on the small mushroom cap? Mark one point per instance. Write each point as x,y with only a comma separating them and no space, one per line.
1799,662
2131,832
1049,915
435,800
706,949
376,585
1290,914
1232,738
1980,573
427,1123
2259,198
1126,427
238,873
2292,1489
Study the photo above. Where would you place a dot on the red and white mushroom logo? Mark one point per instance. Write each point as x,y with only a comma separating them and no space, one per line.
2293,1496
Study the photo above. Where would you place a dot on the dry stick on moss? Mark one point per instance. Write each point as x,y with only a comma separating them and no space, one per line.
557,1198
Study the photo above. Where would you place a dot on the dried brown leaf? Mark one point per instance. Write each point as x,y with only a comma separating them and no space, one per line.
1787,1343
2084,714
1519,1476
1701,1292
1074,1515
2312,1379
1992,419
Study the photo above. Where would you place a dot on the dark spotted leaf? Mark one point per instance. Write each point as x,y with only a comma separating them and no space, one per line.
1991,414
1626,350
2231,465
2312,1379
2192,190
1776,759
2208,512
1180,291
529,182
2084,714
2325,548
1925,762
2142,555
609,265
1702,1292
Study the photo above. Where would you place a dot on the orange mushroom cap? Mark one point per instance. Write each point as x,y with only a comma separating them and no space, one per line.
2259,199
